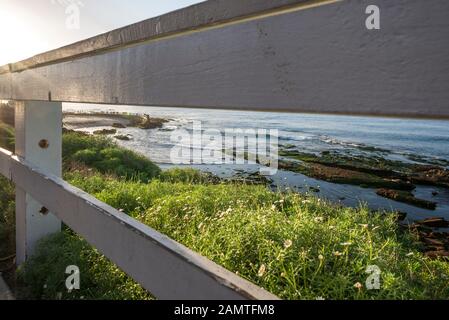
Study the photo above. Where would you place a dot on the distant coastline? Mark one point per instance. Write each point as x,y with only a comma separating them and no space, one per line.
415,183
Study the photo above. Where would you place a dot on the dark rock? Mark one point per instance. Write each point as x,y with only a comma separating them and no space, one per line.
439,235
437,254
118,125
434,223
123,138
406,197
401,215
151,123
105,132
433,242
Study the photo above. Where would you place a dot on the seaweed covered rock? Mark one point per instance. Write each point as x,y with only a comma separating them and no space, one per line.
406,197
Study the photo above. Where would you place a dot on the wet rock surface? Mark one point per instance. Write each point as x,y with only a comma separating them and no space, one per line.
118,125
123,137
105,132
151,123
393,179
435,243
406,197
250,178
433,223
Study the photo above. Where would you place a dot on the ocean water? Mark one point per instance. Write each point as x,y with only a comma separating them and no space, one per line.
401,139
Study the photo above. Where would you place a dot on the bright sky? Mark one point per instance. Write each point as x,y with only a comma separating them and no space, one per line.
29,27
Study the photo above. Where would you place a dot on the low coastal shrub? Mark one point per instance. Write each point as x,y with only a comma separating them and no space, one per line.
102,154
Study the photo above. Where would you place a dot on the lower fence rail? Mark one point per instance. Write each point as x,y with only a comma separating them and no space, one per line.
164,267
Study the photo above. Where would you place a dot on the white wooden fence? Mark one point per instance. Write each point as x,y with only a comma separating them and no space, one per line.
282,55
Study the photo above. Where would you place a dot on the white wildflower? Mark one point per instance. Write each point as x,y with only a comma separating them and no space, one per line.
262,270
287,244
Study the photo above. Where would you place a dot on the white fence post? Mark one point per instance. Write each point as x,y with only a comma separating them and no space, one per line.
39,141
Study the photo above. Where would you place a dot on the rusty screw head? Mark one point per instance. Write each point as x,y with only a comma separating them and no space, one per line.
43,211
44,144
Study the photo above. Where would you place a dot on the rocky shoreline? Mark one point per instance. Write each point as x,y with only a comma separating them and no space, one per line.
77,121
391,178
434,243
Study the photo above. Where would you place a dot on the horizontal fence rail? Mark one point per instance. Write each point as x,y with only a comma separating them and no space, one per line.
196,17
164,267
300,56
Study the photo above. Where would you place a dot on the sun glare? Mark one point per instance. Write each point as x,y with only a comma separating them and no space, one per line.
19,41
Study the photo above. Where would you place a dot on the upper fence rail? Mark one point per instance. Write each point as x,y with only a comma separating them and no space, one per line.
196,17
298,56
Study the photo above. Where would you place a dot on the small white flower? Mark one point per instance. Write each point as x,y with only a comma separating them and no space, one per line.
319,219
287,244
358,285
262,270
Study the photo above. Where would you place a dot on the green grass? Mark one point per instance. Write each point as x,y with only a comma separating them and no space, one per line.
102,154
7,140
296,246
43,277
7,218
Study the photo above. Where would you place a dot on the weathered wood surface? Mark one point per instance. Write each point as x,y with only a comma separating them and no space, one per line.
36,121
195,17
162,266
320,59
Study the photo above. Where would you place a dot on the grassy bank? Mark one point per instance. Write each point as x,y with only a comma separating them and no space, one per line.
296,246
7,195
